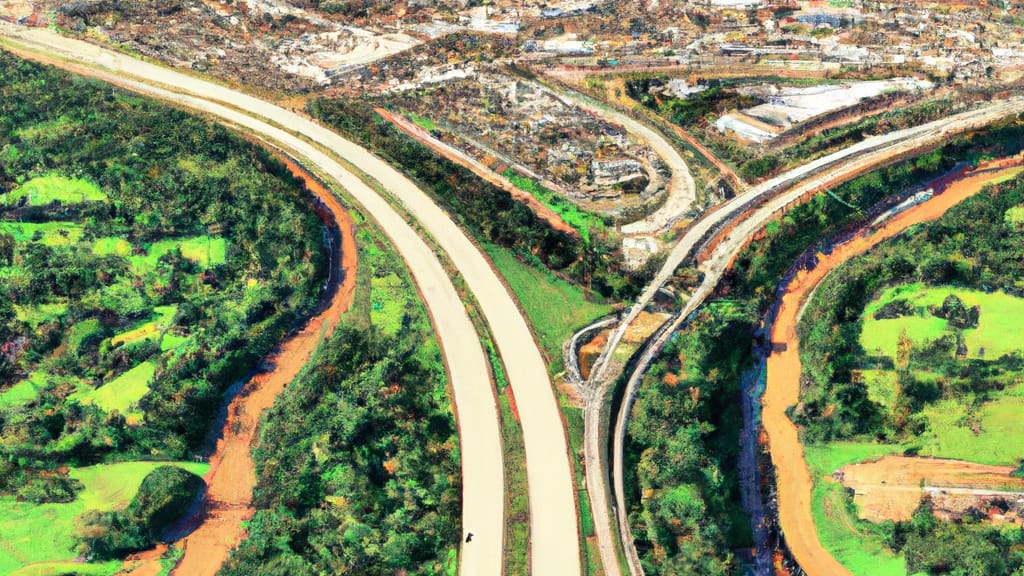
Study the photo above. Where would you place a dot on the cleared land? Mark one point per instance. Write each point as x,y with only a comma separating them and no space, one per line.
891,488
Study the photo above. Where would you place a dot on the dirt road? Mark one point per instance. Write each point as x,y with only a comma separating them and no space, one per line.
553,511
783,388
232,475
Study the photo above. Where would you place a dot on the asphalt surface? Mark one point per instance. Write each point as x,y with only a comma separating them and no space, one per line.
554,524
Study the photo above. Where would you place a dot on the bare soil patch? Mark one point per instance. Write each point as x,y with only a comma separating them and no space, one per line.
891,488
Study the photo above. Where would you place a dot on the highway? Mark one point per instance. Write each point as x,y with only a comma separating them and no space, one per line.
555,546
809,179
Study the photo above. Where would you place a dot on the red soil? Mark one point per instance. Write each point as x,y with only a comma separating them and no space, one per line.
232,474
783,389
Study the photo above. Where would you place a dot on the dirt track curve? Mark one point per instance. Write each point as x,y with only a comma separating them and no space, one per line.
555,544
783,389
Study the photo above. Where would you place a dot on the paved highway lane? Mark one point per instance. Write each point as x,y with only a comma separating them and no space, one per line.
480,442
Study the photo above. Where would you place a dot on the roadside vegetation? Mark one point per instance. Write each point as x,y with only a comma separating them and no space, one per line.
696,378
683,449
148,259
488,213
358,461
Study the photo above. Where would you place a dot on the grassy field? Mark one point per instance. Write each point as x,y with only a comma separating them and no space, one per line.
423,122
39,538
851,541
1015,215
23,392
203,250
49,233
122,392
881,386
389,296
948,436
43,190
584,222
149,330
554,307
997,332
41,313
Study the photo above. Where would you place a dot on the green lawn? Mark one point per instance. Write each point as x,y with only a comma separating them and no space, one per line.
555,308
122,392
389,297
850,540
998,330
43,190
203,250
23,392
149,330
49,233
40,313
36,538
423,122
947,435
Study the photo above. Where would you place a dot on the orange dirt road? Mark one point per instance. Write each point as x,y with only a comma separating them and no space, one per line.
232,474
783,387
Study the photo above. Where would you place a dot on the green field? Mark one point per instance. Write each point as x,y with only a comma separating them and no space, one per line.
203,250
43,190
998,330
149,330
122,392
23,392
390,298
1000,419
554,307
34,534
40,313
1015,215
49,233
852,541
584,222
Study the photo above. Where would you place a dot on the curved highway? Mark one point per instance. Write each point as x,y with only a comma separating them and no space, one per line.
554,533
811,178
682,191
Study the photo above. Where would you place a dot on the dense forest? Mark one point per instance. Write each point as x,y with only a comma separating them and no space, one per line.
148,259
683,449
691,467
487,212
357,463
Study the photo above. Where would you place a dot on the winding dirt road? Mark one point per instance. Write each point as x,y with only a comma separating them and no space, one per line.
783,390
555,542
